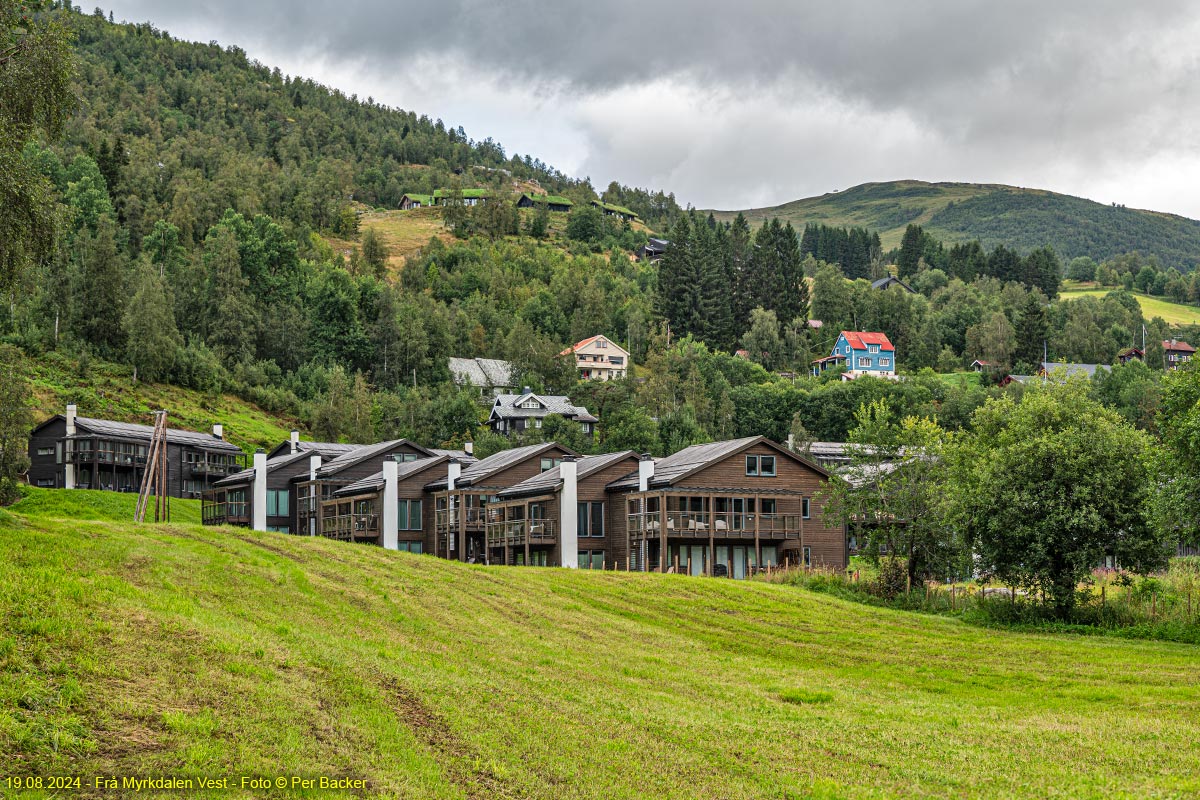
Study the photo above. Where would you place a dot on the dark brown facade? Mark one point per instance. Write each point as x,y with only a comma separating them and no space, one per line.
748,505
108,455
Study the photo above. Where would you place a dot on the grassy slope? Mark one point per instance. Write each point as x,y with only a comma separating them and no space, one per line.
108,391
1173,313
996,214
183,650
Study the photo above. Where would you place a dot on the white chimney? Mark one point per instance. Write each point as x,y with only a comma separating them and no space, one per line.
260,491
295,441
645,472
568,512
391,506
453,470
469,448
218,431
69,447
314,464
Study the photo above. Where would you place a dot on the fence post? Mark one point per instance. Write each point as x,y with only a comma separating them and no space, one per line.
1103,596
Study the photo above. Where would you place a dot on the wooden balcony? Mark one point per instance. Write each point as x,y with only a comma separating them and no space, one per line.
718,525
445,519
236,513
348,527
519,531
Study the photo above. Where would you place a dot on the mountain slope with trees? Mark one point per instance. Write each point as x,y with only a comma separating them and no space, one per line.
995,214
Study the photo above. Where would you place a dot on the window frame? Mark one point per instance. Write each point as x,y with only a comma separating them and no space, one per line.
751,472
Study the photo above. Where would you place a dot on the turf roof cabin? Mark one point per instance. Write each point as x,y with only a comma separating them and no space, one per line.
232,500
462,496
611,210
362,511
470,197
552,202
68,451
561,517
410,201
726,509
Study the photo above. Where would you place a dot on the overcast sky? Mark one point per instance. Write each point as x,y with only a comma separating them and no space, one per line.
754,102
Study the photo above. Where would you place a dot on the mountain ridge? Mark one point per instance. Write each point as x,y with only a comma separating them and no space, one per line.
995,213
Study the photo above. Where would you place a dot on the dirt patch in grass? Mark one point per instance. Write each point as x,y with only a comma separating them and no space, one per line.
456,757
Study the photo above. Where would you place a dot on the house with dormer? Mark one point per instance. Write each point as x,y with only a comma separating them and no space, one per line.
1177,352
515,413
862,353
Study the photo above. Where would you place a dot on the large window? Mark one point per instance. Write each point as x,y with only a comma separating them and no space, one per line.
277,502
411,547
591,519
760,466
591,559
805,508
550,463
409,515
864,362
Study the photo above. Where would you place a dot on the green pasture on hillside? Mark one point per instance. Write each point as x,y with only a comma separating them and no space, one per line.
180,650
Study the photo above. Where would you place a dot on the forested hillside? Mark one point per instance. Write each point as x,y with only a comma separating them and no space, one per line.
226,230
1022,219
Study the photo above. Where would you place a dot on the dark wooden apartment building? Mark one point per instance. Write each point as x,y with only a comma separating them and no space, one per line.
68,451
726,508
461,498
361,511
561,517
231,500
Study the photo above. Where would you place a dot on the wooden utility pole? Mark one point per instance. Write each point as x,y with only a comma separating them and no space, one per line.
155,475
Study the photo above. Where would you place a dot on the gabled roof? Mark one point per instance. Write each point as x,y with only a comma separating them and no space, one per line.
133,431
466,193
423,199
551,480
374,483
860,340
507,406
588,341
690,460
364,453
614,208
1178,346
551,199
485,468
324,449
892,280
1073,369
482,372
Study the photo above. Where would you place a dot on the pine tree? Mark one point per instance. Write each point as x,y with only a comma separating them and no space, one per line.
792,301
740,247
1033,326
912,247
152,340
716,286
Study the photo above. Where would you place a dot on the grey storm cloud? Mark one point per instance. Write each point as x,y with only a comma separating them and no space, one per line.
1035,87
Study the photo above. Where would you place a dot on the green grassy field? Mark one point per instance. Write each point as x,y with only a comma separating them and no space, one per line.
187,651
969,379
1172,313
108,391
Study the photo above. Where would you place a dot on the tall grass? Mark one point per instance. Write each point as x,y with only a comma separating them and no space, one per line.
1110,602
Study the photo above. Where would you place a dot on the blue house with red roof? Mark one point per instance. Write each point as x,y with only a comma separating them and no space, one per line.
861,353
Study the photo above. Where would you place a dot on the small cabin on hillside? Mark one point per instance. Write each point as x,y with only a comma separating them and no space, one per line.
489,375
552,202
410,201
1131,354
470,197
892,282
611,210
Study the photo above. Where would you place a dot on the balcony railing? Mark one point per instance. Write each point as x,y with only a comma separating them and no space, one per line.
205,468
104,457
350,526
236,513
448,518
722,525
516,532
